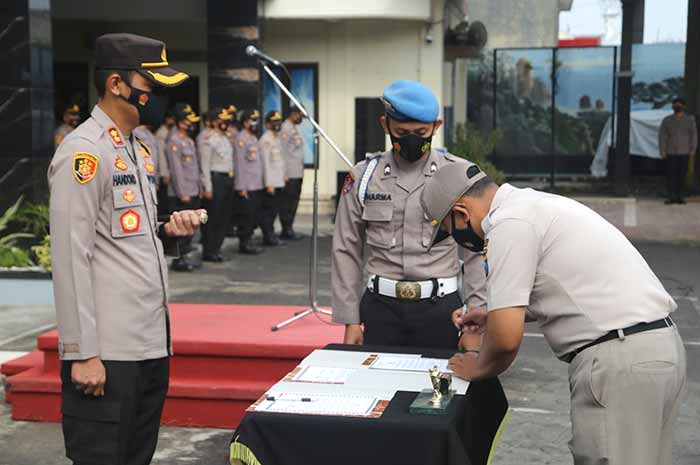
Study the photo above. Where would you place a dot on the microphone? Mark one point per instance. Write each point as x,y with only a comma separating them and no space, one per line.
252,51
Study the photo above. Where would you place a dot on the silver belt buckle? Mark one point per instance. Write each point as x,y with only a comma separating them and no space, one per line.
407,290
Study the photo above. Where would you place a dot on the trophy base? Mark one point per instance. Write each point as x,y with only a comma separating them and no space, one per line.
423,404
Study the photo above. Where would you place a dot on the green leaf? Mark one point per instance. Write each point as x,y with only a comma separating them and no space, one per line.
14,257
10,213
11,238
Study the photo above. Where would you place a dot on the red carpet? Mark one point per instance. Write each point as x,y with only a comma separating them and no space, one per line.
225,358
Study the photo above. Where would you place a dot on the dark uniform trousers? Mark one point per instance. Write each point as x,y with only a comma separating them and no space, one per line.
219,211
423,323
248,213
290,203
677,170
163,199
270,210
176,205
120,428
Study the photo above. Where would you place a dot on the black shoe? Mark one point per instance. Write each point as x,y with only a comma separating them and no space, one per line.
681,201
669,201
291,236
272,242
182,265
246,248
217,258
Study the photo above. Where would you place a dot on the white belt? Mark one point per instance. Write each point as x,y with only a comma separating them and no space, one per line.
412,290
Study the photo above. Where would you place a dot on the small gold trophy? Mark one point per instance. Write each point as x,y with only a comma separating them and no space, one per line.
434,401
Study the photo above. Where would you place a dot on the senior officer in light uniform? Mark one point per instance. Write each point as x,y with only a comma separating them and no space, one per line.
411,294
217,177
110,275
273,175
600,306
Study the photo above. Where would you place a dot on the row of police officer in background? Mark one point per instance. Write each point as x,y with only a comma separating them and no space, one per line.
242,180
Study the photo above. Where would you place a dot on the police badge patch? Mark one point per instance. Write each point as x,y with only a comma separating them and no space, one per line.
84,166
130,221
119,164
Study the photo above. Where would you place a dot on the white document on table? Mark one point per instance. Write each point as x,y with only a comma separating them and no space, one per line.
319,404
326,375
395,363
343,359
414,381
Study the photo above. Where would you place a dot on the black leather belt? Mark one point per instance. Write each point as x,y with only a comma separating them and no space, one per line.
621,333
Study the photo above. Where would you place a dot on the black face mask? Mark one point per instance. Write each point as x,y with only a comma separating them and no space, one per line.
677,108
151,107
276,127
410,147
467,238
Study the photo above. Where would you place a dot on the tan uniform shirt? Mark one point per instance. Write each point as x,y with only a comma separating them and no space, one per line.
203,144
217,157
678,136
162,135
577,274
60,133
293,149
395,234
110,275
149,149
273,162
186,177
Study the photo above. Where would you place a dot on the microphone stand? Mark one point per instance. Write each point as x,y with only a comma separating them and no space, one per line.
313,273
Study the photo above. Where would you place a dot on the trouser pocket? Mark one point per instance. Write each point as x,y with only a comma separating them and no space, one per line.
91,429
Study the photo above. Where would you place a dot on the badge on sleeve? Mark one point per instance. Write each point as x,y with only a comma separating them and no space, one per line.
114,135
149,167
119,164
84,166
348,184
130,221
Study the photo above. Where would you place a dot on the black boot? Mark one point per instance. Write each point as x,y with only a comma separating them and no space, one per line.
246,248
215,258
290,235
272,241
180,264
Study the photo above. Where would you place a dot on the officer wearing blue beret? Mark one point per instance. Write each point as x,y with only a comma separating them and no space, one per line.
411,296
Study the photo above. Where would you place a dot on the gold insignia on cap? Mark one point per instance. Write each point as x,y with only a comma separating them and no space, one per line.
167,80
157,64
193,118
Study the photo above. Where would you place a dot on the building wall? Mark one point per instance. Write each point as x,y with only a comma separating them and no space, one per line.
521,23
356,58
344,9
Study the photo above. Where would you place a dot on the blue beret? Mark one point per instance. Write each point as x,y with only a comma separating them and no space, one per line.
410,101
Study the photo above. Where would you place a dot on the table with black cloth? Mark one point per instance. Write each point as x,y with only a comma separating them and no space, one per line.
464,436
